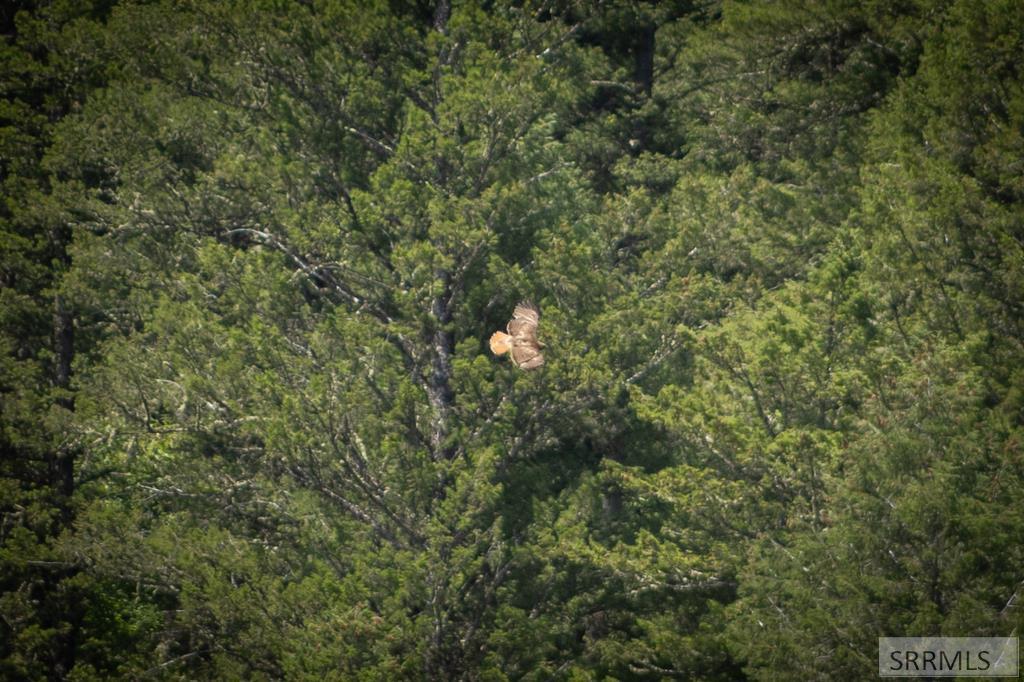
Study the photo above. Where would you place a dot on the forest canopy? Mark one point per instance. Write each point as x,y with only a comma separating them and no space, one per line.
253,252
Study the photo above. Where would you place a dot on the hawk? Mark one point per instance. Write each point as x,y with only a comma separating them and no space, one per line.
521,341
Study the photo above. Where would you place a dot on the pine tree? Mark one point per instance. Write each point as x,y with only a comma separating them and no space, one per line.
253,252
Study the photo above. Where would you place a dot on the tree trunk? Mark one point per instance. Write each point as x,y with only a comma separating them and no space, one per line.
441,14
643,64
62,482
643,76
63,475
439,386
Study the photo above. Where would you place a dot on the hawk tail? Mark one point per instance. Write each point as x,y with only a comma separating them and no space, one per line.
500,343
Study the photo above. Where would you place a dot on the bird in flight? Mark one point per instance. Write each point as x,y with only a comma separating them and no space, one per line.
521,341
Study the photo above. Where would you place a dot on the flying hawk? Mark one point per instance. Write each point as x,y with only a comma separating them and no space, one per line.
521,341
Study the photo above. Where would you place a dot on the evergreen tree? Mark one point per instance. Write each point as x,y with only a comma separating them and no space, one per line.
252,254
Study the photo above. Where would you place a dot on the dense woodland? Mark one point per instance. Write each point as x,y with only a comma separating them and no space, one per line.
252,253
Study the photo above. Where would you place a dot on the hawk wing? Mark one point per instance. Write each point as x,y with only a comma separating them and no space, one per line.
522,330
527,357
524,321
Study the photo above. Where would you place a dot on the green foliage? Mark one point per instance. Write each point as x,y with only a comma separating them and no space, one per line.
252,253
